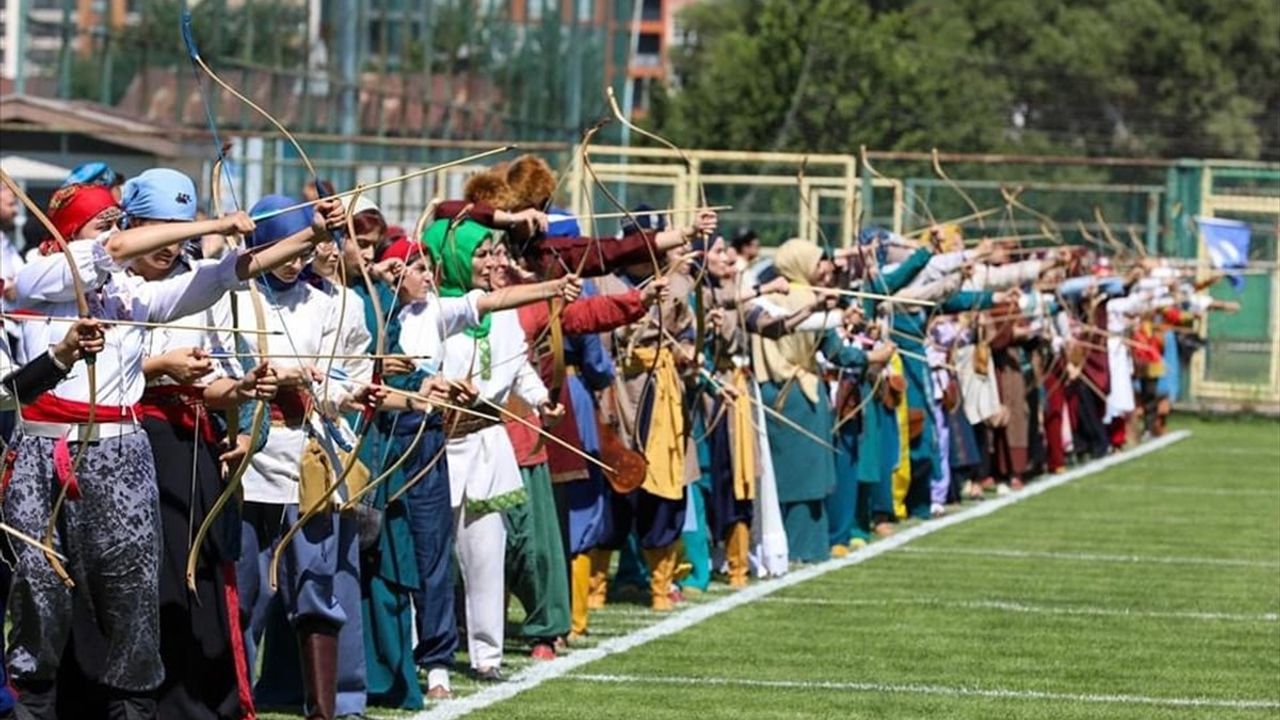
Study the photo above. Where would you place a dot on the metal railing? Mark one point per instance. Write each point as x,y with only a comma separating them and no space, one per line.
827,198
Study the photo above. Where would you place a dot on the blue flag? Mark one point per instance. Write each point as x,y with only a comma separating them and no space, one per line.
1227,242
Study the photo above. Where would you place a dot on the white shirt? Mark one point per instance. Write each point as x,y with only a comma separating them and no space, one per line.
816,322
310,317
222,342
45,287
354,336
425,324
7,400
483,465
11,261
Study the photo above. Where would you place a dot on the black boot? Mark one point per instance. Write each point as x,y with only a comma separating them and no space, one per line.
129,705
37,700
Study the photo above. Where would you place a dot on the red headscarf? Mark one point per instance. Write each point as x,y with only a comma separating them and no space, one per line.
72,207
404,248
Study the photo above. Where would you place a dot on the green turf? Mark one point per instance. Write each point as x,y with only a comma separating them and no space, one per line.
1159,578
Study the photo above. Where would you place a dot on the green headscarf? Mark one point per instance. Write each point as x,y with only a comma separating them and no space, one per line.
452,251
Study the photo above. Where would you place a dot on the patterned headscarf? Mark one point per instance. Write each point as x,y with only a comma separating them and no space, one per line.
72,207
872,234
92,173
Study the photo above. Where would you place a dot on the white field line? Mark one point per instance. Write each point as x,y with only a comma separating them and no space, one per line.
1019,607
1149,517
1174,490
540,673
1251,452
1093,557
943,690
623,610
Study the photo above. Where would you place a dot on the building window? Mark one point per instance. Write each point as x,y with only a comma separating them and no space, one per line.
640,95
648,50
651,10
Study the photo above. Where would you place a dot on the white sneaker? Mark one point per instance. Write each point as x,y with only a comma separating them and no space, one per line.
937,510
1002,489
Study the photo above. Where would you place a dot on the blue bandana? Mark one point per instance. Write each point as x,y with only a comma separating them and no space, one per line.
645,219
159,194
91,173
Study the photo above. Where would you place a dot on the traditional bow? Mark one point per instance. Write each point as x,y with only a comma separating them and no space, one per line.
1048,225
260,413
428,213
555,313
367,415
200,66
937,168
82,309
700,309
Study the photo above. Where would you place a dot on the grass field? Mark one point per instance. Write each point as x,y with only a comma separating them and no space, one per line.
1149,590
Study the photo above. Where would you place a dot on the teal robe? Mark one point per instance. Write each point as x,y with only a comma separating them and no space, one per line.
389,570
805,470
910,327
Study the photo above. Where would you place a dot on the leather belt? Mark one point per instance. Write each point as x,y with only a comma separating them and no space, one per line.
462,425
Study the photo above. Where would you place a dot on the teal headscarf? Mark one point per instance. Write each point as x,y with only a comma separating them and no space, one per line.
452,250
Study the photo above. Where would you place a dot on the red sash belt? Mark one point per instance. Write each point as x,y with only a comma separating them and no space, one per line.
179,405
50,408
290,407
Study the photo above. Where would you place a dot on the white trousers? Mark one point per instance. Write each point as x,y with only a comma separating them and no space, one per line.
483,464
1120,400
769,553
482,550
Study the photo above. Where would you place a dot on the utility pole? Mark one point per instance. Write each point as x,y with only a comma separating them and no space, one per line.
573,92
64,57
20,62
628,87
348,42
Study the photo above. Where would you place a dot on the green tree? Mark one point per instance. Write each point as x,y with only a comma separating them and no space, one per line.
258,33
1128,77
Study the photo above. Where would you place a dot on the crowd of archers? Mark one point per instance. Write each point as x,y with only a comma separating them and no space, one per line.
294,457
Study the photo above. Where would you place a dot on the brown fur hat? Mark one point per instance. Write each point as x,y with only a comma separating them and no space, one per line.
531,181
489,187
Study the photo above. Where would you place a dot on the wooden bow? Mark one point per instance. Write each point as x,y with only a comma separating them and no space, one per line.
260,410
200,66
937,168
555,312
82,309
700,320
367,416
1048,225
428,213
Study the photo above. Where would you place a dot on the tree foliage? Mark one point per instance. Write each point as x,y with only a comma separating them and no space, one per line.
255,33
1099,77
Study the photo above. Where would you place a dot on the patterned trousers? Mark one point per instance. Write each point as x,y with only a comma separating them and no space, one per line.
111,538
